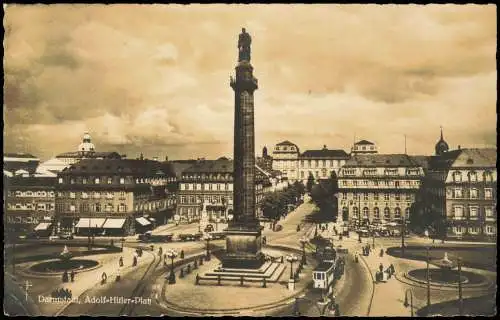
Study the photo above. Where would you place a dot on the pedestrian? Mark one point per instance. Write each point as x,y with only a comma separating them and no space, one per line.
381,252
356,257
72,275
391,267
182,254
381,267
120,262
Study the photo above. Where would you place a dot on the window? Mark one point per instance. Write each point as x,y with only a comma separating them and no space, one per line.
60,180
473,213
487,193
397,184
365,213
97,207
110,180
96,180
473,193
488,176
355,212
302,174
375,196
122,207
407,213
458,211
324,163
376,213
490,230
457,193
386,196
84,181
488,212
457,176
122,194
458,230
109,195
97,195
398,196
29,193
72,181
72,195
474,230
72,208
323,172
397,213
473,177
183,199
387,213
408,196
109,207
365,197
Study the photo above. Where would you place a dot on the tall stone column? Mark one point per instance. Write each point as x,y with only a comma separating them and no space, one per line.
243,236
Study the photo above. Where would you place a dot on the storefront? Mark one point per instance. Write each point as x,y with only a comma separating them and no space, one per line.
114,227
142,225
92,226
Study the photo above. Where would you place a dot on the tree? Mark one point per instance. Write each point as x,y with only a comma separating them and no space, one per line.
310,182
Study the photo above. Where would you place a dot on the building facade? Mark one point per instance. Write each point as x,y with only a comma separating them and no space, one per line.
461,189
297,166
208,185
29,204
378,188
113,197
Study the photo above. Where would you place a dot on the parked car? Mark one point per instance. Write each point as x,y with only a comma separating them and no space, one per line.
66,236
218,235
209,228
190,237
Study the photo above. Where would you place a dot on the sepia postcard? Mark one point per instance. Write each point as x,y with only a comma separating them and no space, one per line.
264,160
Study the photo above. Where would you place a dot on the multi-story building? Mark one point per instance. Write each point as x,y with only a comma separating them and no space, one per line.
29,204
113,196
378,187
461,189
320,163
297,166
19,163
363,147
208,184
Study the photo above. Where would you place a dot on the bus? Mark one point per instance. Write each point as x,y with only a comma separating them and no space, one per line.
323,275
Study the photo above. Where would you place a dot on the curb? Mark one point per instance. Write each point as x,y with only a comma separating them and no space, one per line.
373,284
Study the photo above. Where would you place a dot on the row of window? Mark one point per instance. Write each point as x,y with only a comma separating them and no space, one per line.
324,173
472,176
207,186
206,176
93,195
473,193
459,212
376,196
19,193
377,183
111,180
31,206
473,230
206,198
321,163
91,207
376,212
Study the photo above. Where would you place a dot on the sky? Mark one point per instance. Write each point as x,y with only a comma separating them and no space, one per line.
155,78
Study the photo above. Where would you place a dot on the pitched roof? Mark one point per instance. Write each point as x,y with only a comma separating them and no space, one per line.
325,153
475,157
381,160
364,142
178,167
212,166
78,154
143,168
32,181
19,155
286,142
423,161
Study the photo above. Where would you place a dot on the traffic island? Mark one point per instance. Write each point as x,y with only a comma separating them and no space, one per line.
199,293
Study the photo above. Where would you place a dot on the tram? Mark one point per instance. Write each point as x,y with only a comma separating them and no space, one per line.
323,275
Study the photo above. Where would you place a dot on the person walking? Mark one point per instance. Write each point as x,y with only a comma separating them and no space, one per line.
72,275
381,267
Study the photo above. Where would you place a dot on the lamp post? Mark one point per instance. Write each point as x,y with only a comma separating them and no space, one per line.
291,258
460,300
207,238
428,282
171,254
403,227
411,300
303,241
122,240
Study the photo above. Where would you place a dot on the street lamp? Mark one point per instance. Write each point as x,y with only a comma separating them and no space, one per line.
460,300
403,230
207,237
411,300
303,241
428,282
171,254
291,258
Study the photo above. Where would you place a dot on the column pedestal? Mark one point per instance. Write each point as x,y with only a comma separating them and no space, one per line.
243,248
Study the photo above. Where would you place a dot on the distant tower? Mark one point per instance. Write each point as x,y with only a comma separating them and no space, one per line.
86,146
264,152
441,145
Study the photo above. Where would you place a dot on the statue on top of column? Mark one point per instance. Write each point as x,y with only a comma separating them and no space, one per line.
244,42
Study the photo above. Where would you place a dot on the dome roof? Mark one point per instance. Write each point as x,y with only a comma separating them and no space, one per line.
441,145
86,144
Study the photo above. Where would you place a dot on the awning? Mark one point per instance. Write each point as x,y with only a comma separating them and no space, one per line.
143,221
114,224
92,222
42,226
